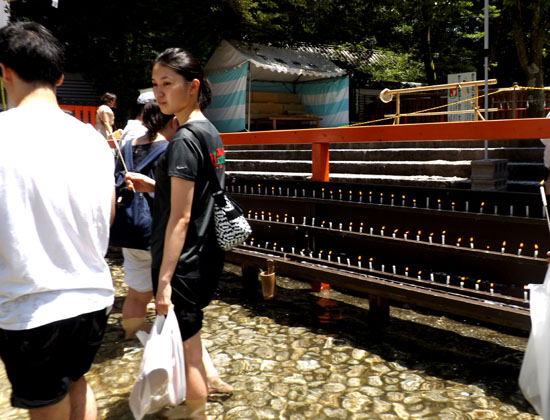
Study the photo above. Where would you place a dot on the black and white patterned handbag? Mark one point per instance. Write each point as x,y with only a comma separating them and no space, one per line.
232,228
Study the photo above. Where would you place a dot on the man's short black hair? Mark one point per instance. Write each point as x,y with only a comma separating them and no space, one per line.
32,52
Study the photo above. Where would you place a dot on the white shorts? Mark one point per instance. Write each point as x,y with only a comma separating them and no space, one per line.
137,269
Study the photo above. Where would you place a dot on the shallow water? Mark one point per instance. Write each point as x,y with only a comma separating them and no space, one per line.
308,355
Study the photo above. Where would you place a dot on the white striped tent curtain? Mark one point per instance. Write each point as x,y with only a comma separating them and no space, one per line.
328,99
227,109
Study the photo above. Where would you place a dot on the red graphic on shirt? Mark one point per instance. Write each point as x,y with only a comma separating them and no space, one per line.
218,158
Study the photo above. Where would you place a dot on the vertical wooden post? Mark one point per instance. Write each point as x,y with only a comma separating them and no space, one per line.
319,172
476,106
320,162
397,108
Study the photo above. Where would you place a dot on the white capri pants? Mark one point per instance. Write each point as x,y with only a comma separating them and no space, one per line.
137,269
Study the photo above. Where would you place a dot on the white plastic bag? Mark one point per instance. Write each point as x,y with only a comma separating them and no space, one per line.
534,377
161,378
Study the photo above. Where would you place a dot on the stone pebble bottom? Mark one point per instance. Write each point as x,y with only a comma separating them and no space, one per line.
311,355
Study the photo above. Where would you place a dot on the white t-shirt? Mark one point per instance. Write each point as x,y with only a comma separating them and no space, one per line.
56,182
134,130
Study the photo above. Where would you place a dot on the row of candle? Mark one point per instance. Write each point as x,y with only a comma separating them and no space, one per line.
371,198
347,261
361,229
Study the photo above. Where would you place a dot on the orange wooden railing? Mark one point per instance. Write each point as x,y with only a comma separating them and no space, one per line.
321,138
85,114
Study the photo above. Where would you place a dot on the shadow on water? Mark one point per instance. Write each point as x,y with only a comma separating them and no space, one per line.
436,351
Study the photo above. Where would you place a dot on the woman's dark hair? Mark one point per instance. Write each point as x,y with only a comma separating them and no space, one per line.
183,63
32,52
153,119
108,97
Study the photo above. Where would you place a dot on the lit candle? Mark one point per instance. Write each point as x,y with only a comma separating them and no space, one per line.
477,284
360,196
438,204
402,200
395,233
302,252
458,241
269,216
418,235
382,230
359,261
321,254
272,190
277,217
536,254
481,207
350,195
256,215
249,213
329,255
525,294
339,194
350,226
361,228
503,249
520,249
331,195
406,271
286,216
491,290
453,206
381,198
370,262
392,199
322,193
419,275
462,282
274,246
472,242
259,188
251,241
370,196
443,238
414,202
430,237
488,247
263,214
405,234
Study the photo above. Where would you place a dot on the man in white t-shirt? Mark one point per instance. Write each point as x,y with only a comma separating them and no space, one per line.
56,206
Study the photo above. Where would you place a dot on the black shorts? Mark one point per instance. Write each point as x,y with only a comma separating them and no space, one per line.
190,294
43,362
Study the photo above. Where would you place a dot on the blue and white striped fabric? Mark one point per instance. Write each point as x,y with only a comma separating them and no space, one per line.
328,99
227,109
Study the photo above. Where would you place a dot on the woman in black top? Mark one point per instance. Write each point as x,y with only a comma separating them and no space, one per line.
187,261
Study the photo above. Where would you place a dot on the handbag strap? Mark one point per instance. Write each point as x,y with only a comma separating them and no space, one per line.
214,182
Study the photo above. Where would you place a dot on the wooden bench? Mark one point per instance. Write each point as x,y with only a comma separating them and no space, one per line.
272,120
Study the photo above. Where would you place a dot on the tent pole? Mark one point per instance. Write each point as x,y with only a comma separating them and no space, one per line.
249,95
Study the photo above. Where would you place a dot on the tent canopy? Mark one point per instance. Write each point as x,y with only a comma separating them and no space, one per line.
235,69
272,64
